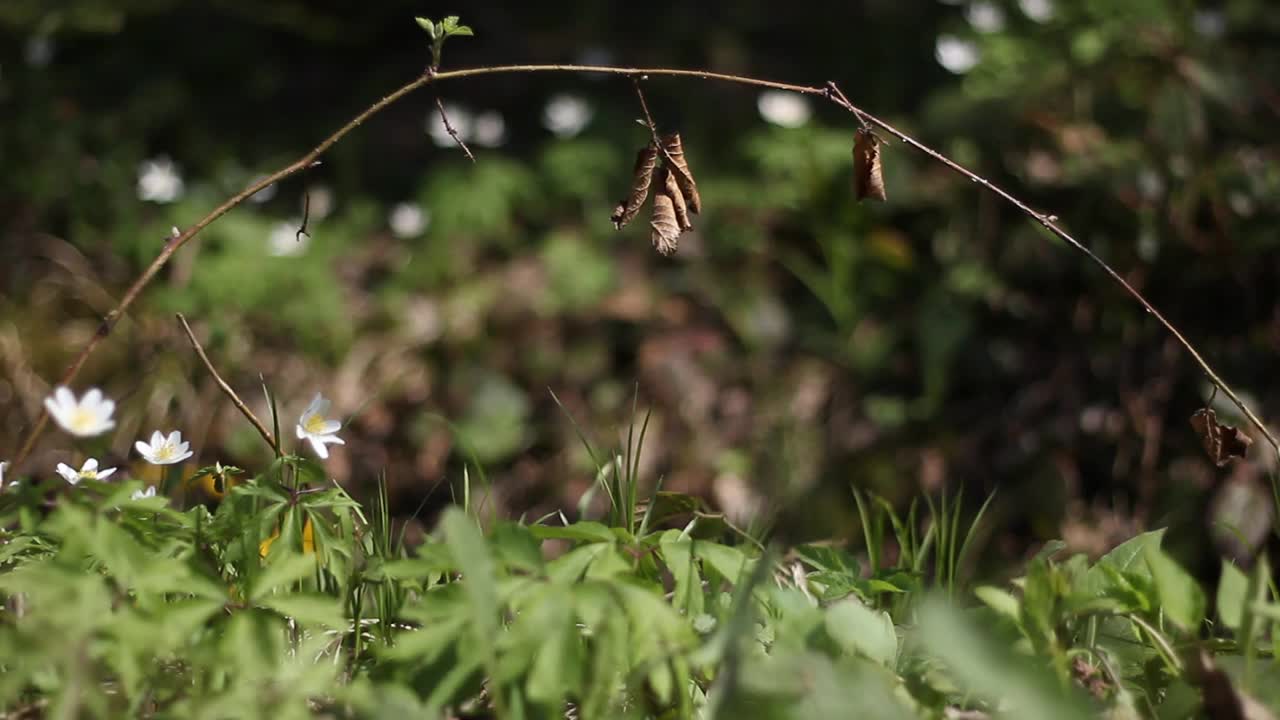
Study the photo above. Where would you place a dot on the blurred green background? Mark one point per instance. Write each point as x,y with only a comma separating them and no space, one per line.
797,343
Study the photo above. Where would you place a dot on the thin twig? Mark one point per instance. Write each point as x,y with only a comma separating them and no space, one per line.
828,91
648,119
306,216
444,116
653,128
226,389
1048,221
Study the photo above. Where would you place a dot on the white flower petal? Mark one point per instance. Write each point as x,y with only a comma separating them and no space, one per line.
90,465
104,474
143,449
68,473
318,406
65,398
318,446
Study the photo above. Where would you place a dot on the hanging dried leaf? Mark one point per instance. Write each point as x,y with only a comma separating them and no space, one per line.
680,167
868,178
641,176
671,187
1223,700
1221,441
666,226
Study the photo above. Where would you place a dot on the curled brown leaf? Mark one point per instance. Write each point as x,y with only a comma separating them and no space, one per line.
665,223
868,177
680,168
672,188
1221,441
641,177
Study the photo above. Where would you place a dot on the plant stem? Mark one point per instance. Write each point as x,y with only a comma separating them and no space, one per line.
226,389
829,91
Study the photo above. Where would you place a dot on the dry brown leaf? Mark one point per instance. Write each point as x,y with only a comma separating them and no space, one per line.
1221,441
666,226
641,176
868,177
680,168
672,187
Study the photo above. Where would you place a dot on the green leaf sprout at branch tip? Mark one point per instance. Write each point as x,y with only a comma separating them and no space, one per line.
441,31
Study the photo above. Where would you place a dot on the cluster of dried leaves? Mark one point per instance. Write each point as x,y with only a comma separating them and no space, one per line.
677,194
676,198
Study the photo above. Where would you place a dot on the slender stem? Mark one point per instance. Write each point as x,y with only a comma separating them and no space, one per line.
226,389
829,91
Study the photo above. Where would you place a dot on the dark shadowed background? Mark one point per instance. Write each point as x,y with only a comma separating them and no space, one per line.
798,343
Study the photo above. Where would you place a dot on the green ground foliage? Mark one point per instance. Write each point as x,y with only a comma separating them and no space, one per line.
292,600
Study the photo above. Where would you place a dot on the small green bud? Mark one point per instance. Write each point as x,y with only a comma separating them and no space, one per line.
427,25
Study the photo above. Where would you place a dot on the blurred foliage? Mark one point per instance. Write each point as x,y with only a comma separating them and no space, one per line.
797,343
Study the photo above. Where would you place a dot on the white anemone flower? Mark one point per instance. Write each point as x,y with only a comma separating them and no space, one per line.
408,220
159,181
87,417
164,450
567,115
285,240
784,109
317,429
88,471
150,492
955,54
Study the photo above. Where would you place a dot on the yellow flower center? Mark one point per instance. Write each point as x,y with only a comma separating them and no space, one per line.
82,419
165,452
314,425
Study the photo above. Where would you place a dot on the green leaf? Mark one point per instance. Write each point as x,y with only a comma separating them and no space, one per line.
572,566
1124,558
1127,555
516,547
678,555
427,643
557,668
828,559
586,531
1180,595
308,608
281,571
471,556
462,30
1020,685
427,25
1002,602
1233,589
861,630
728,562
